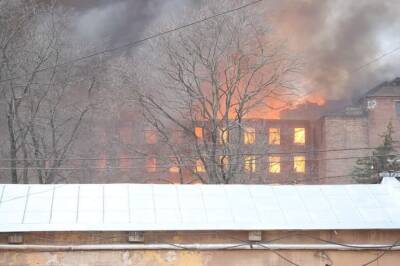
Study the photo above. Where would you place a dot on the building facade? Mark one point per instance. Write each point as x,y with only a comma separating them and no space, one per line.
125,148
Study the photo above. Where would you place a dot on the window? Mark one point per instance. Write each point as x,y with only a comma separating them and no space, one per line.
151,165
397,105
249,135
250,163
124,161
174,169
223,136
198,132
102,163
125,135
274,164
274,136
224,162
177,136
299,164
150,136
299,135
200,167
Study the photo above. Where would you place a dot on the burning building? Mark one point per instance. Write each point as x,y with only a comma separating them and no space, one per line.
320,149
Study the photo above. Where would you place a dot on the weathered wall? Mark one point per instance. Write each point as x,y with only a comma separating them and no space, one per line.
197,258
206,258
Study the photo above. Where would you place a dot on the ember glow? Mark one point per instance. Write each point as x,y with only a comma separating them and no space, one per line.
273,107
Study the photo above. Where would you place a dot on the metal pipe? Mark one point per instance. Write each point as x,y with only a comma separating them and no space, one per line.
222,246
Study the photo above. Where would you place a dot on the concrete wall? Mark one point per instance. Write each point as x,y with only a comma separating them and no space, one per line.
206,258
197,258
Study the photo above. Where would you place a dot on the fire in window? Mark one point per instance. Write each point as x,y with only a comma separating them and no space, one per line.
200,166
151,165
250,163
249,135
174,169
150,136
198,132
223,136
299,135
299,164
274,164
274,136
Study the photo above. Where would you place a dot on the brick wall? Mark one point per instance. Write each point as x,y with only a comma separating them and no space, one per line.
341,137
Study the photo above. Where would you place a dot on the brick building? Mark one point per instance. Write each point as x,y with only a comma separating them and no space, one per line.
314,150
274,151
357,130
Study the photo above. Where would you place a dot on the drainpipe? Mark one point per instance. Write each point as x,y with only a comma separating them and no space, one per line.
222,246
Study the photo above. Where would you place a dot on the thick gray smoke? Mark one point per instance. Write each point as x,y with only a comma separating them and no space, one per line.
334,37
338,38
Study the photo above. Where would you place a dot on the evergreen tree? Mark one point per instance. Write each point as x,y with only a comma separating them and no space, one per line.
383,159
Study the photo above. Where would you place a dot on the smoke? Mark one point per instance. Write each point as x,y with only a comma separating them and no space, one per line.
338,38
335,38
119,21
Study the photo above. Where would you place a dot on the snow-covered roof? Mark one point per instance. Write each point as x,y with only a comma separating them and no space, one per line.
142,207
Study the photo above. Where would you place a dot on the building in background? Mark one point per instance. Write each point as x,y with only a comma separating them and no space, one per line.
322,148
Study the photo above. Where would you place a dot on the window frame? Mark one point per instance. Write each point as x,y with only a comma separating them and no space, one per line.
303,160
249,140
270,140
294,136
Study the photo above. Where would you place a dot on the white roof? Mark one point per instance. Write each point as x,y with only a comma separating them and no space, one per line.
137,207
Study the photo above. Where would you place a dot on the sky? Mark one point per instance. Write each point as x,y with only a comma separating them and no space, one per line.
335,37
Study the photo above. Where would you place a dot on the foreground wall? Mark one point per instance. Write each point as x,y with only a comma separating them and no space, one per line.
278,257
199,258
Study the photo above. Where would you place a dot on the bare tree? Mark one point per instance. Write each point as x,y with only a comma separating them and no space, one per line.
44,109
206,81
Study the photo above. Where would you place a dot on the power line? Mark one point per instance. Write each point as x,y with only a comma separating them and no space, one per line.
135,43
169,165
194,156
374,60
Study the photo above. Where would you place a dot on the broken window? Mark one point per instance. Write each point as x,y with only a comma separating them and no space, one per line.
274,136
151,165
299,135
200,166
249,135
299,164
150,136
198,132
250,163
223,136
274,164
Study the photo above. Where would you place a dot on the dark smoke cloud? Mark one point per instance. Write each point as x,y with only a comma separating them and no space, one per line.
335,37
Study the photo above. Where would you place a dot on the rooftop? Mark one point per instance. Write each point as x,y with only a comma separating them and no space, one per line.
387,88
142,207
